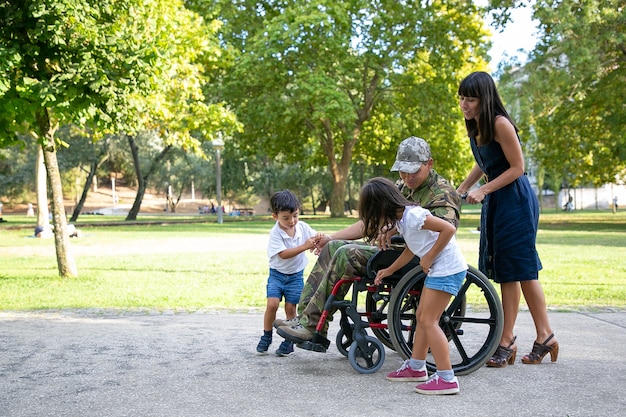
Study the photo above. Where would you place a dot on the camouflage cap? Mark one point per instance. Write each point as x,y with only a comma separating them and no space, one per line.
412,153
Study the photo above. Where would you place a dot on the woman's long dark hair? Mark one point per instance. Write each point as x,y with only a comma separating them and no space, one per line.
379,203
480,85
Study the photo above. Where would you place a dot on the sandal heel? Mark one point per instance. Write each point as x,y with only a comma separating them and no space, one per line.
503,356
554,353
513,355
540,350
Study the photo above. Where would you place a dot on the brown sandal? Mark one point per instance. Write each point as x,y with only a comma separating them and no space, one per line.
540,350
503,355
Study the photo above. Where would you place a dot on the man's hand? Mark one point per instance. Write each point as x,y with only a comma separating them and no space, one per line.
320,241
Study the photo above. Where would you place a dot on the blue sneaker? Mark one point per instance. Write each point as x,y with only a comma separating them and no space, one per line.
264,344
285,348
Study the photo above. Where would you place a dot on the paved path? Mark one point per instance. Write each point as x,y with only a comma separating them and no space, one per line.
99,363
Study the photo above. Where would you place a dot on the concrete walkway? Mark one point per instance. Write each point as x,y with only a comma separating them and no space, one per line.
101,363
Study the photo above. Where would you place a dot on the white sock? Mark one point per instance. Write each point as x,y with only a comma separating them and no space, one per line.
446,375
417,364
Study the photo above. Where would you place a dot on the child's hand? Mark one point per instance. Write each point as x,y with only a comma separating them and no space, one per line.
426,263
320,242
383,241
383,273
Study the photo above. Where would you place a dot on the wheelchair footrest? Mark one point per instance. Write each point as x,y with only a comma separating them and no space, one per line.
318,344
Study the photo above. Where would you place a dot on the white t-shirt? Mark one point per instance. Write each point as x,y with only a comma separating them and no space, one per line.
450,260
280,240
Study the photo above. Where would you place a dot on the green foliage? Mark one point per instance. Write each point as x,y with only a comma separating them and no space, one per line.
17,177
319,82
118,65
572,91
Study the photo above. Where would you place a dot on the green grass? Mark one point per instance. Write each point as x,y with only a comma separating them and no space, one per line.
172,265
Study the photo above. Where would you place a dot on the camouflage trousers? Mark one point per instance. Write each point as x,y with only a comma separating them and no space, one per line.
338,259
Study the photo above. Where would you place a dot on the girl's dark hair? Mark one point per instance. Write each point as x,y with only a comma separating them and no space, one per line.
284,201
379,203
480,85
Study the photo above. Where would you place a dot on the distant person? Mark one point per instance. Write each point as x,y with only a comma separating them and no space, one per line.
30,212
432,239
1,219
569,206
288,242
72,231
615,203
43,232
509,216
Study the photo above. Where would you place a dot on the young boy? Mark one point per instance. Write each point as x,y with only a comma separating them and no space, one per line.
289,239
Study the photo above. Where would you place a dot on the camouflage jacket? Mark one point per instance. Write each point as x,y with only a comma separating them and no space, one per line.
437,195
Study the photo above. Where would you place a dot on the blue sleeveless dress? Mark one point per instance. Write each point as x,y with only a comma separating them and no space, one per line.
508,223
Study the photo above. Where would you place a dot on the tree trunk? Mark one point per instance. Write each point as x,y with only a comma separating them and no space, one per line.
142,180
339,169
338,197
43,215
141,184
99,158
83,196
65,260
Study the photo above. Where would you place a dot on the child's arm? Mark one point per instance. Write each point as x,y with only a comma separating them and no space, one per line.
291,252
446,232
404,258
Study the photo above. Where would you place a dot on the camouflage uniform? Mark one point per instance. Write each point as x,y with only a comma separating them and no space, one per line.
344,259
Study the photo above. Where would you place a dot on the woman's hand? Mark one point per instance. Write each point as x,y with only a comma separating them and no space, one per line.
475,196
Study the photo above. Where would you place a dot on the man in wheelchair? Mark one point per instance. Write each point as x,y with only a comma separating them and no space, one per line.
341,257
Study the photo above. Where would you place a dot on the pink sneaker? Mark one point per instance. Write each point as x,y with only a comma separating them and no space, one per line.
407,374
437,386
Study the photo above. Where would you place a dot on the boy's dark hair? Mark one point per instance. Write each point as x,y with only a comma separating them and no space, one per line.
284,201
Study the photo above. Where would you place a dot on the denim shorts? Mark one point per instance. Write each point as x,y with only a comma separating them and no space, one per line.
287,285
450,284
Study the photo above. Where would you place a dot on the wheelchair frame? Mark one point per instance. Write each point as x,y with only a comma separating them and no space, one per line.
390,312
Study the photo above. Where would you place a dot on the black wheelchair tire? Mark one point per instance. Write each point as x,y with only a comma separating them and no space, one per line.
370,361
486,325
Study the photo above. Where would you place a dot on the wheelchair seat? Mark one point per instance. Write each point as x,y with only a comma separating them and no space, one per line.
384,258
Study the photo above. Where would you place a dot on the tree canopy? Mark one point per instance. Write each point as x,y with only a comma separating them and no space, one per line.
317,81
113,65
571,91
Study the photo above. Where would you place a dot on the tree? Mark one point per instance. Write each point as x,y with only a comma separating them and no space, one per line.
83,62
572,91
318,80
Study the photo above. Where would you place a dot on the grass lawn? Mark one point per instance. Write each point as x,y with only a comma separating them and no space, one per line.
170,265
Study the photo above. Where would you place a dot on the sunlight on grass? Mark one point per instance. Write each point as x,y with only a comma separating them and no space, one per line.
167,266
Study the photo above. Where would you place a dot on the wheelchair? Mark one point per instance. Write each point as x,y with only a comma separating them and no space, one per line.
472,321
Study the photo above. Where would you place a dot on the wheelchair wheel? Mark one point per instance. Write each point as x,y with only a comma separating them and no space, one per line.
344,341
368,360
376,305
474,335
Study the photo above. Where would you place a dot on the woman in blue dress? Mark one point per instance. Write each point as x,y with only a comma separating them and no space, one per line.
509,216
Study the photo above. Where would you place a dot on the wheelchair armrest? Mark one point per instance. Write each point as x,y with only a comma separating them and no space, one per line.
383,259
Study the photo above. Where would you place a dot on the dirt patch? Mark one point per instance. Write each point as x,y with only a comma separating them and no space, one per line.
103,199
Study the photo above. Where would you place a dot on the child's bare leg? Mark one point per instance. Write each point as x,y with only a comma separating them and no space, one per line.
290,310
432,303
420,343
270,313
